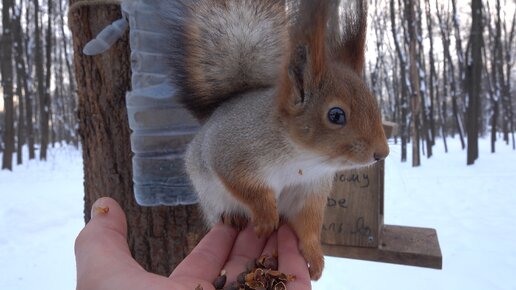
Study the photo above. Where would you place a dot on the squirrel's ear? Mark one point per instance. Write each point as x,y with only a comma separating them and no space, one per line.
297,73
349,47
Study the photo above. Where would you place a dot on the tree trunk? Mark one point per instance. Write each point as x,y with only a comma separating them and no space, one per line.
20,127
159,237
441,107
29,93
40,76
504,54
474,74
415,98
22,87
492,80
509,61
433,74
7,84
44,105
423,86
404,86
69,93
458,48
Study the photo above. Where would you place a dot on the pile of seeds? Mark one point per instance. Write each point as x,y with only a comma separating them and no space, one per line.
261,274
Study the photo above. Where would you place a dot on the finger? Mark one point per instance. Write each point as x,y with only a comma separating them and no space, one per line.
247,247
208,257
107,229
101,248
290,259
271,247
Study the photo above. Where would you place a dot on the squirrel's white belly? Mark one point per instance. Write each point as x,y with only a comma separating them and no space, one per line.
306,170
292,180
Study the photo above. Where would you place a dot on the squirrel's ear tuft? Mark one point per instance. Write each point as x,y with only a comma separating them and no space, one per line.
348,44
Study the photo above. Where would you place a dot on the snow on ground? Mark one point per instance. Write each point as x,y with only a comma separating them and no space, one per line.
41,212
471,207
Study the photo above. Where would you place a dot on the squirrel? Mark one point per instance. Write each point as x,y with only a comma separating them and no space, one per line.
282,106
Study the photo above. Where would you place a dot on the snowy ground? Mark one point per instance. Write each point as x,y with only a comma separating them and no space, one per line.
472,209
41,212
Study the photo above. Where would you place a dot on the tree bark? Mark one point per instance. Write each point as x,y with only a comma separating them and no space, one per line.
509,62
415,98
492,80
423,86
474,74
159,237
40,77
22,87
505,54
29,93
70,92
7,84
433,74
458,47
44,92
403,80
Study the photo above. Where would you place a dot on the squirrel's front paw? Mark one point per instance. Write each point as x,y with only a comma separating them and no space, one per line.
314,257
237,221
266,224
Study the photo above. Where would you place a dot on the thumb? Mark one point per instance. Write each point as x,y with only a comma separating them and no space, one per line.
106,214
107,227
101,247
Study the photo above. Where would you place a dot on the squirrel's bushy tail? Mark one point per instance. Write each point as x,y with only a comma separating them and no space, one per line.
224,47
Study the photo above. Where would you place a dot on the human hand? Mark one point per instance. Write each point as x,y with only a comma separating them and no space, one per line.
104,261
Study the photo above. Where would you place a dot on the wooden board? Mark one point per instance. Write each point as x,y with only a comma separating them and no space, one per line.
354,211
398,245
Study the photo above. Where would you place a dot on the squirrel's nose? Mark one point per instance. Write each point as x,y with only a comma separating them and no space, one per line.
381,154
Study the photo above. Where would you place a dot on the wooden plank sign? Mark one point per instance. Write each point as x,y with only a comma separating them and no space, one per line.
354,210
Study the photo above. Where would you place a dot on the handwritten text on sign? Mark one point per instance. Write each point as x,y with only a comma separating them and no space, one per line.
362,180
352,210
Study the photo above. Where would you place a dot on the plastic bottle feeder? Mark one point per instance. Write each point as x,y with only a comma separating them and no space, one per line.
161,127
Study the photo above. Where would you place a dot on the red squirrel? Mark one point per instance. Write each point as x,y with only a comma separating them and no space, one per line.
283,107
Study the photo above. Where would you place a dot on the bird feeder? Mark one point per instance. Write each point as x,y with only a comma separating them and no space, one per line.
354,223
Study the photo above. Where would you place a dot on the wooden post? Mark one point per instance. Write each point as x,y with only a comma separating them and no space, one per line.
354,223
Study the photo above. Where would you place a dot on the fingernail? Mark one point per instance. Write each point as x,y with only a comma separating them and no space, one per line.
99,208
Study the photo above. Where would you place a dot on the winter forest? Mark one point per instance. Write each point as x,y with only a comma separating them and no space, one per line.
439,68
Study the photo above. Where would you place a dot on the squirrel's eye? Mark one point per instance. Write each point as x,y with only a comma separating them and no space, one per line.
337,116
